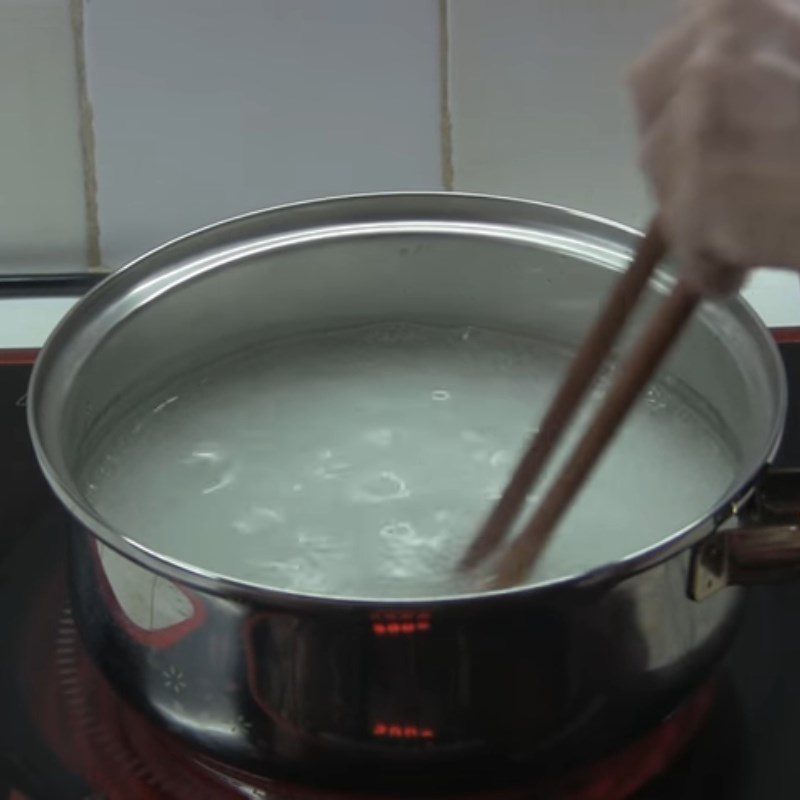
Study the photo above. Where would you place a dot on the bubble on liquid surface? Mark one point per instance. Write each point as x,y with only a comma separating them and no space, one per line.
216,467
380,488
408,554
258,520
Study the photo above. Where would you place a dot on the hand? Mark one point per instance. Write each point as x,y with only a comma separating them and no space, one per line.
718,106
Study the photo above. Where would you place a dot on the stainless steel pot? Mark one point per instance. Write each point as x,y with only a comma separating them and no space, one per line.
335,689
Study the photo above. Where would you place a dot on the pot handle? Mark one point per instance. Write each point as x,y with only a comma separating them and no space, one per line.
760,545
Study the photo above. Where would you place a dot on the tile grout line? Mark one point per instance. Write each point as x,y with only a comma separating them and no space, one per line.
86,124
445,119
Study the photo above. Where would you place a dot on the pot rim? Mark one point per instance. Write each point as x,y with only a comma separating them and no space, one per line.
207,581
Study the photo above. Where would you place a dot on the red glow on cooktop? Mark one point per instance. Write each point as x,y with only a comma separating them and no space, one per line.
123,757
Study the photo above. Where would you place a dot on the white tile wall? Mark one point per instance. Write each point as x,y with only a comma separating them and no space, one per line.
539,103
540,109
42,223
205,109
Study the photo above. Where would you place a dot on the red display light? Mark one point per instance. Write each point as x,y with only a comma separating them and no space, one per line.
384,730
405,623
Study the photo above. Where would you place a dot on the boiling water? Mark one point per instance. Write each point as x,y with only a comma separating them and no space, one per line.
360,463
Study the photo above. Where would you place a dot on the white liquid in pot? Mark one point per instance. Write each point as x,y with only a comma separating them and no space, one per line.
360,463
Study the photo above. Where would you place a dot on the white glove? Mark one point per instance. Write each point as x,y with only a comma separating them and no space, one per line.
718,106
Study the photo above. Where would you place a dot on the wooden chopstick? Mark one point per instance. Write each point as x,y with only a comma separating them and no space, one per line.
581,375
630,380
